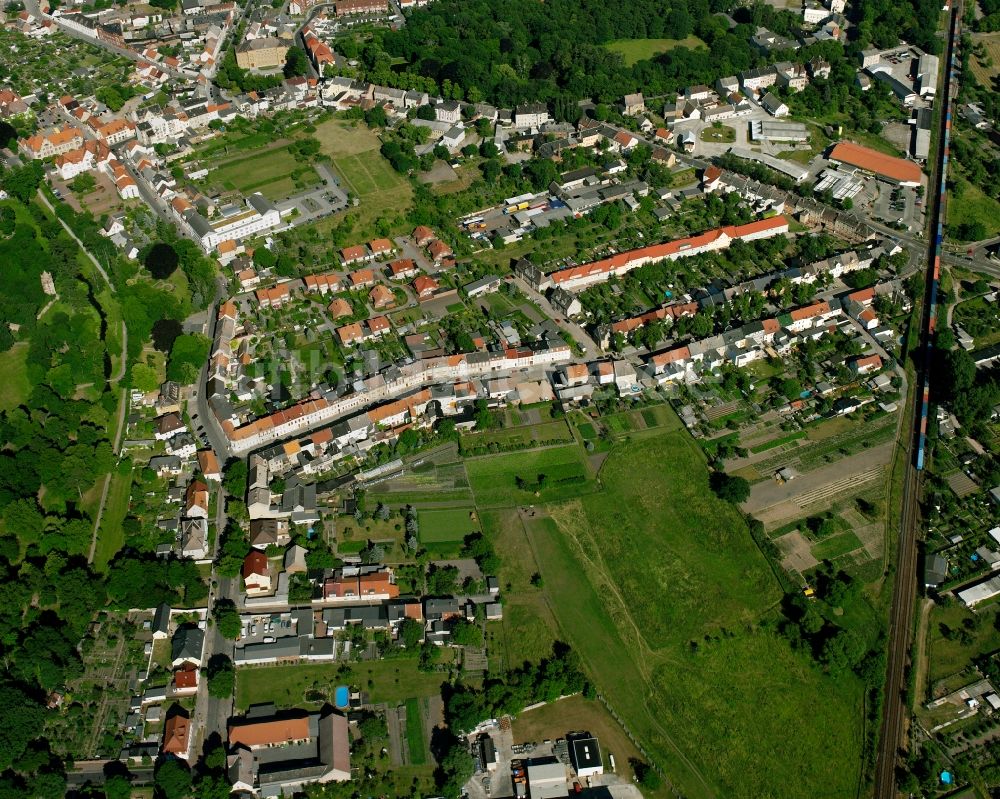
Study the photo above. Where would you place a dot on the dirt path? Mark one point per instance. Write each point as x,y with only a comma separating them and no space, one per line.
923,623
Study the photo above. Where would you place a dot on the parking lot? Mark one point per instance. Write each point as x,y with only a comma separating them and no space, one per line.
898,205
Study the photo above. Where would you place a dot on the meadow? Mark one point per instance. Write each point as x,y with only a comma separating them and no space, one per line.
494,477
634,50
972,205
15,386
725,705
657,502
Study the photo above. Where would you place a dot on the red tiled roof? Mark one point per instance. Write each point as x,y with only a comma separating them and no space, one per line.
659,251
870,160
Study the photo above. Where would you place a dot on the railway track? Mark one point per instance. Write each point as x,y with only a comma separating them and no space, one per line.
896,711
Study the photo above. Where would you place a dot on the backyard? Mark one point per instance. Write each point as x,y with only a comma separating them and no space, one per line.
286,686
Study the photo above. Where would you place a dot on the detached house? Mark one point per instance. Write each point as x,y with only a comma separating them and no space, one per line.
196,500
256,576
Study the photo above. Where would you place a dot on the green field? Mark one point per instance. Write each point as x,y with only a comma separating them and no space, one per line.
974,206
493,477
635,50
950,656
542,433
15,386
285,686
438,526
269,173
836,545
726,706
380,188
111,536
415,733
657,501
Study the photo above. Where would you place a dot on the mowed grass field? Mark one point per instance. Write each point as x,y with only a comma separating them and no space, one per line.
453,524
268,172
656,569
634,50
15,386
494,477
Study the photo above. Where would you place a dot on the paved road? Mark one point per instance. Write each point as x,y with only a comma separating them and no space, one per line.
212,715
202,413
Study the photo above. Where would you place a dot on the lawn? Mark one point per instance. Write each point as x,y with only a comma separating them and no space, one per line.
726,707
974,206
494,477
268,173
415,733
723,134
836,545
15,386
635,50
446,525
385,681
111,536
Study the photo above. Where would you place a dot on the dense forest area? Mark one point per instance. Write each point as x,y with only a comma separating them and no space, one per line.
513,51
60,410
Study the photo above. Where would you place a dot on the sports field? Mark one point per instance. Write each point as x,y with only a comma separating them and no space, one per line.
728,708
546,475
446,525
635,50
270,173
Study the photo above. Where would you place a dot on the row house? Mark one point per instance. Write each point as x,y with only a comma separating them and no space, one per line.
47,145
579,277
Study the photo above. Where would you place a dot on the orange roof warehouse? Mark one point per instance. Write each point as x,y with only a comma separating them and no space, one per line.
893,170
